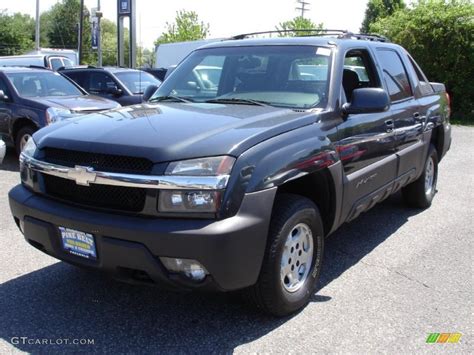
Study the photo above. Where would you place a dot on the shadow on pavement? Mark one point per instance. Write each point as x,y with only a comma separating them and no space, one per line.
60,301
10,163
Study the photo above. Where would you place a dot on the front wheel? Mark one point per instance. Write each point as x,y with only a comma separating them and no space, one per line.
420,193
293,257
22,137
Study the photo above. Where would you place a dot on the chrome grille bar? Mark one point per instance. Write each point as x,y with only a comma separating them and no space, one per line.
85,176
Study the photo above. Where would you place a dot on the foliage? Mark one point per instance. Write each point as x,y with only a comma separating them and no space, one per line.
16,34
187,27
439,35
298,23
377,9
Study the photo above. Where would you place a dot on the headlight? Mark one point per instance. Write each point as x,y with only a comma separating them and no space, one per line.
195,201
28,151
212,166
54,114
29,148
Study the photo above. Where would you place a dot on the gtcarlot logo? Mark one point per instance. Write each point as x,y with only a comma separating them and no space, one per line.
50,341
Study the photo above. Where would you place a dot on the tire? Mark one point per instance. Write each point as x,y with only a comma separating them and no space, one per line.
22,137
420,193
277,294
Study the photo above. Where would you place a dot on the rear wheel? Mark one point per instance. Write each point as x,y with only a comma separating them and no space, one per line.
420,193
293,257
22,137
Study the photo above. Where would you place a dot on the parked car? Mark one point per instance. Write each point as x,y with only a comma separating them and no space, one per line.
124,85
171,54
3,150
51,61
159,73
236,186
32,98
71,54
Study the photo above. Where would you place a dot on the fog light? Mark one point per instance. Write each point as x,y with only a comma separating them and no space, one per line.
22,226
190,268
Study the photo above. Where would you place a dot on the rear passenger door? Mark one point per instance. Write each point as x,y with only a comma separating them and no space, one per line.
405,111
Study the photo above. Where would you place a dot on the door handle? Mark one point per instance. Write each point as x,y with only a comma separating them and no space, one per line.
390,124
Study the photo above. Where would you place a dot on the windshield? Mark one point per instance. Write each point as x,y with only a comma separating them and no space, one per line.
41,84
137,81
284,76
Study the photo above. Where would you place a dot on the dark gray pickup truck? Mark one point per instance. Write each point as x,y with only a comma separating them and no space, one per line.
233,182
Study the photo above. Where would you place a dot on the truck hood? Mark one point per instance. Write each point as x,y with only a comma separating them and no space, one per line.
173,131
83,103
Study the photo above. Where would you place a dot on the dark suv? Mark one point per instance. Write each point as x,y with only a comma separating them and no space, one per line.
32,98
126,86
236,185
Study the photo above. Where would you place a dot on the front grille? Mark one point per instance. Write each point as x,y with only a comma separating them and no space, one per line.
119,198
100,162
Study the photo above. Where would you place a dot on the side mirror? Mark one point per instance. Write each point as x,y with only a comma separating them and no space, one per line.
3,96
149,91
367,100
114,91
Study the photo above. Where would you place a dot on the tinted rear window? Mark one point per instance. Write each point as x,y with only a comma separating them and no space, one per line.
395,75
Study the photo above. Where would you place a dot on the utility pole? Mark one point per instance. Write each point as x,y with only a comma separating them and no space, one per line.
99,46
37,30
301,6
81,26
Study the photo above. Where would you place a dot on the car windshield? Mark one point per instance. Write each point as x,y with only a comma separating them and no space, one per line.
137,81
42,84
285,76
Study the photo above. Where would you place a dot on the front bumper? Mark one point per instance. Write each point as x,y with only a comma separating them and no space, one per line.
128,247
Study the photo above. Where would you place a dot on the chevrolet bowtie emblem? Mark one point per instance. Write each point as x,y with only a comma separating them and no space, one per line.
83,175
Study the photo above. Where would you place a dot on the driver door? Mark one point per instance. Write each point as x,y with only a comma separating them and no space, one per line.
365,141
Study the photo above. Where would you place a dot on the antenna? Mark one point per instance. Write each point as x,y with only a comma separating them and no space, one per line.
301,6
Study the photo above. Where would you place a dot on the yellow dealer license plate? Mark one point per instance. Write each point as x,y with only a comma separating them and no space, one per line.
78,243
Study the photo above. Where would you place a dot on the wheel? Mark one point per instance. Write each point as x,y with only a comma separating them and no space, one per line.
420,193
23,135
293,257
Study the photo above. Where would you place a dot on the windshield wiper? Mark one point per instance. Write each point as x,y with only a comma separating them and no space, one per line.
233,100
171,98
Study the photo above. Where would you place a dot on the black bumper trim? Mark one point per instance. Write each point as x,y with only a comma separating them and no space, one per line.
231,249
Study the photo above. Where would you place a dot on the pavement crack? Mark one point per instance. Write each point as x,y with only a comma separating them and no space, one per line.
385,268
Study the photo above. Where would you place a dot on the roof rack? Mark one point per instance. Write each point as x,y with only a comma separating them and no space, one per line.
317,32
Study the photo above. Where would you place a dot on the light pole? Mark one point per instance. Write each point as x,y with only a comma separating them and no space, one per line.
81,25
99,39
37,30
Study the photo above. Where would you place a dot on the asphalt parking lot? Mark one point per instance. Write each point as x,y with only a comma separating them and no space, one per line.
389,279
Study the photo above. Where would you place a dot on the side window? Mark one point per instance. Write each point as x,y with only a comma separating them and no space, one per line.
101,82
395,75
359,72
425,86
55,63
79,78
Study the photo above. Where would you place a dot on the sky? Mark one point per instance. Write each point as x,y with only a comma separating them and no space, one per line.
225,17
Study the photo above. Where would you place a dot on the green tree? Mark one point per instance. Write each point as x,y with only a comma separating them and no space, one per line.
16,34
298,23
377,9
187,27
61,26
440,36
